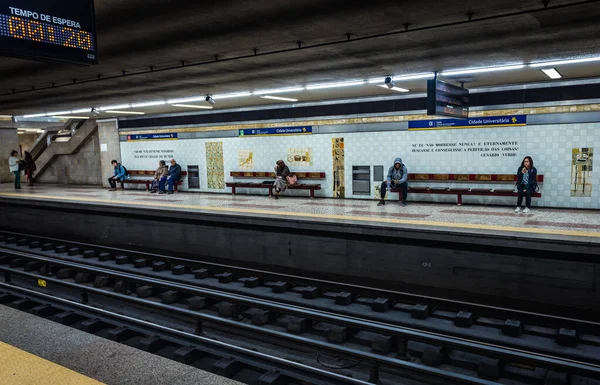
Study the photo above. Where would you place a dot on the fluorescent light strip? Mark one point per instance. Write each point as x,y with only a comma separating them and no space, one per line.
125,112
115,107
552,73
279,98
69,117
34,116
234,95
564,62
335,85
278,91
481,70
191,106
148,104
398,89
187,100
82,111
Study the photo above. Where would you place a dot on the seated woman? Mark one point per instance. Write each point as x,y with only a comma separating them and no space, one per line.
281,173
161,173
526,183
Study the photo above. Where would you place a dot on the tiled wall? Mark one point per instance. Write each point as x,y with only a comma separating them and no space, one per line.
549,145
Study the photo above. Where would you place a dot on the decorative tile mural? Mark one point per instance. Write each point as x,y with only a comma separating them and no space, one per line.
581,172
245,159
214,165
337,153
299,157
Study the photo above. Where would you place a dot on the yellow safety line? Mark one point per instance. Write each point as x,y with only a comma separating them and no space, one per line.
21,368
283,214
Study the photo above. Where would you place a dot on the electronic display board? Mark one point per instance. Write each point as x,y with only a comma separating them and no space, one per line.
444,99
62,30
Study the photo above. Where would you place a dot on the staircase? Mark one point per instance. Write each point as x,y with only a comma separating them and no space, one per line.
84,132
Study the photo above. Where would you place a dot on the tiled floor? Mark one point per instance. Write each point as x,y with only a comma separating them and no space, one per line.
576,223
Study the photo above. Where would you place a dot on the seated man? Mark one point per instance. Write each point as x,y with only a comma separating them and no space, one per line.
161,174
120,175
173,177
397,178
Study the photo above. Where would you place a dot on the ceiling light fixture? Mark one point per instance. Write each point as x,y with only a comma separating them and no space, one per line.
398,89
125,112
191,106
186,100
429,75
34,116
552,73
209,99
69,117
233,95
115,107
278,91
148,104
564,62
389,83
82,111
481,70
335,85
58,113
279,98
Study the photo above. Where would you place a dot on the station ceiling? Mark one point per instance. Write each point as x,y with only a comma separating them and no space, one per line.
339,40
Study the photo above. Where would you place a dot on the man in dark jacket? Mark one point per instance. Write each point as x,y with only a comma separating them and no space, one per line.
173,177
397,178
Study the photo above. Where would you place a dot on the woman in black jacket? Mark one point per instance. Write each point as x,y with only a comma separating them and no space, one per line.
281,173
30,167
526,183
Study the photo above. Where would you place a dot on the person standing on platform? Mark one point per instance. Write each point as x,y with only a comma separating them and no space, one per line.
30,167
119,176
160,175
281,173
13,164
397,178
526,184
173,177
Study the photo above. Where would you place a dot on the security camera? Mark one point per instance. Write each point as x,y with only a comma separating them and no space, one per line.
95,112
14,119
389,82
209,99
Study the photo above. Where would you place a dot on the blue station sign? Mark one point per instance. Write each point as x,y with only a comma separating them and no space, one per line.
480,122
300,130
165,136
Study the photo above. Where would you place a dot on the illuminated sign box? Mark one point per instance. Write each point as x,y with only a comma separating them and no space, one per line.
444,99
49,30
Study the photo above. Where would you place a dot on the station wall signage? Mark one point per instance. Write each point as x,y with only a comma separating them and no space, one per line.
165,136
274,131
480,122
49,30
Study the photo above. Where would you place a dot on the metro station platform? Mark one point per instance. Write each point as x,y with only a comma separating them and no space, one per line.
549,256
34,350
581,226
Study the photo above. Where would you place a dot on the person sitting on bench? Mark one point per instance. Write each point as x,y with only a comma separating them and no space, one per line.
119,176
397,178
281,173
161,174
173,177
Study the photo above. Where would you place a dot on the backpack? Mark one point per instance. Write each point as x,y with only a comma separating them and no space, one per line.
126,173
22,165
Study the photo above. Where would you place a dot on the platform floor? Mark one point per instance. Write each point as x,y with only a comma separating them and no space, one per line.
540,222
36,351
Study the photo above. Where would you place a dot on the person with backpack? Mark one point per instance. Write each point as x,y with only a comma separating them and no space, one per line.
13,164
397,178
119,176
30,167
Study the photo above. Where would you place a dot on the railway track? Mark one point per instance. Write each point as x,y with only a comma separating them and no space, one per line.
372,339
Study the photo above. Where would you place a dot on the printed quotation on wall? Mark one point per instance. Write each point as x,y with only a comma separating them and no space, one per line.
337,153
214,165
581,172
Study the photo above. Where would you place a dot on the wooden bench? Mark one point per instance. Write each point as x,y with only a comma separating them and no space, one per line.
466,179
271,175
148,178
